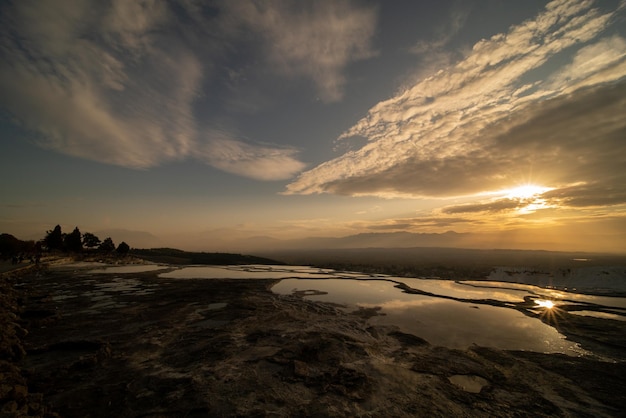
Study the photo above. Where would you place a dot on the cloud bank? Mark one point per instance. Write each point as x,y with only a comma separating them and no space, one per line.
118,82
542,103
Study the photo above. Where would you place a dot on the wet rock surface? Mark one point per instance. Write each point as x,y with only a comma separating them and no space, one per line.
130,345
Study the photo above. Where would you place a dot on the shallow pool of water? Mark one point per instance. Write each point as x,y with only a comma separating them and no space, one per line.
246,272
439,321
136,268
608,301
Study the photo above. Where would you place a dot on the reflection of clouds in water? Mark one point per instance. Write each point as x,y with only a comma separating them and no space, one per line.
531,290
463,291
398,304
243,272
439,321
141,268
457,325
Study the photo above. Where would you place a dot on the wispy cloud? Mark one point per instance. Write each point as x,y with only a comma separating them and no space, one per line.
495,120
316,40
435,53
254,161
415,224
118,82
498,205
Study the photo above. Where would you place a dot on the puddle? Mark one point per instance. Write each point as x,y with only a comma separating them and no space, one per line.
461,290
529,289
468,383
137,268
253,272
439,321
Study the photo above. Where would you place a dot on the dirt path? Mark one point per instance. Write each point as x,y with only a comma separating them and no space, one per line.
131,345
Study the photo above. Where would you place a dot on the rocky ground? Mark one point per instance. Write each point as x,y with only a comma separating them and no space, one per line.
128,345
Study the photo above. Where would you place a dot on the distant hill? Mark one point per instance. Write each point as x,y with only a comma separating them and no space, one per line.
9,245
175,256
364,240
501,240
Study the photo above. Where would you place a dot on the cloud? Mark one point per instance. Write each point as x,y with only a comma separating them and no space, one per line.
434,53
117,83
316,40
498,205
607,193
443,33
253,161
416,224
494,121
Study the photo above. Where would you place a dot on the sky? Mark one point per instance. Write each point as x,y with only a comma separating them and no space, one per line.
209,122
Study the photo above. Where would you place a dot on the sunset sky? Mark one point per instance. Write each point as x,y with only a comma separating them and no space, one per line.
213,121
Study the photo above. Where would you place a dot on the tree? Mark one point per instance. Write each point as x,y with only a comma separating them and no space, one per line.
90,240
107,245
54,239
73,241
123,248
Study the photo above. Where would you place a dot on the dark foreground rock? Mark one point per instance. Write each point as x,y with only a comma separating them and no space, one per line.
15,397
134,345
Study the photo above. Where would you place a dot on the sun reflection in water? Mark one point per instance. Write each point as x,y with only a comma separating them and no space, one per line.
550,313
544,303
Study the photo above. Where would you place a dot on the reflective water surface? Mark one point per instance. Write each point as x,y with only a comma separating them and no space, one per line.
137,268
244,272
455,314
439,321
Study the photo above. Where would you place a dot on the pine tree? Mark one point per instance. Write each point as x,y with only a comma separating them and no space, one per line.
54,239
107,245
123,248
73,241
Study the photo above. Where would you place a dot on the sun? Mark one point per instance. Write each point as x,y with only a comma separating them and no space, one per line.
526,191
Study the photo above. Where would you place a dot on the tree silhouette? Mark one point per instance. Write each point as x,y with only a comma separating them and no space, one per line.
107,245
90,240
73,241
123,248
54,239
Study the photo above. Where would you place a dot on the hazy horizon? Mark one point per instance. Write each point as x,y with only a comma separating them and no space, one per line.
207,242
201,126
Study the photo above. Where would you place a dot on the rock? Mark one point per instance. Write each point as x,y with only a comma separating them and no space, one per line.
19,392
275,357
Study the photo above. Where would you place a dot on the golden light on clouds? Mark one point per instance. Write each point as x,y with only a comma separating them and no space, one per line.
528,196
526,191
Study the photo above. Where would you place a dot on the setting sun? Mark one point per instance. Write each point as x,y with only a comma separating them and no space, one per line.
525,192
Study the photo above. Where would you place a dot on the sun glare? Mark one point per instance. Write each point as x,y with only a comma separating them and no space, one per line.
525,192
548,304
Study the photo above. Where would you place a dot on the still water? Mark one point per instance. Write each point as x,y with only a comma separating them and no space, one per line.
439,321
432,313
